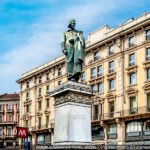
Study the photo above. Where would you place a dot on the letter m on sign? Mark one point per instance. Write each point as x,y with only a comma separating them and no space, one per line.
22,132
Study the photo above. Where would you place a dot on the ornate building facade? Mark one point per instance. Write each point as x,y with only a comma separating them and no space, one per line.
9,119
117,66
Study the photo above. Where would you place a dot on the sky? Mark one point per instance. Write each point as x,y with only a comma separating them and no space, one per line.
30,30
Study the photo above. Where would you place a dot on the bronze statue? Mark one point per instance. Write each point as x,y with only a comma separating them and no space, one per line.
73,46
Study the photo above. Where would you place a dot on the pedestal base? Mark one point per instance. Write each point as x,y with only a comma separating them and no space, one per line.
69,147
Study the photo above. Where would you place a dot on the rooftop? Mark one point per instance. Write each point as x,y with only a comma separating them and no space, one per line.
9,96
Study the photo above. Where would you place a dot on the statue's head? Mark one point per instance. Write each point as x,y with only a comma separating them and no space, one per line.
71,24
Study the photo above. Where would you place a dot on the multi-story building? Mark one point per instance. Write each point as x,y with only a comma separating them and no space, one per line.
117,66
9,119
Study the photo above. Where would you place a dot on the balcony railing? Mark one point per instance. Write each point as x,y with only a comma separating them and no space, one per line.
93,76
147,58
111,70
131,44
96,58
131,64
124,113
99,74
147,37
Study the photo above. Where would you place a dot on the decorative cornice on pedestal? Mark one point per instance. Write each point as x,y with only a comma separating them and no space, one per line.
72,92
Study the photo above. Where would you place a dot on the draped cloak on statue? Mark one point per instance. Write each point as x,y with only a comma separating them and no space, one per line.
74,44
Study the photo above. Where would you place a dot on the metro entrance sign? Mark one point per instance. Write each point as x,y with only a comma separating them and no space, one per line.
22,132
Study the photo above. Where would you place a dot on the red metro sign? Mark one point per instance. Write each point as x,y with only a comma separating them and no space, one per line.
22,132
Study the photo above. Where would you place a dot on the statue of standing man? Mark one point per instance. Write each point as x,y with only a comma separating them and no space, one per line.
73,46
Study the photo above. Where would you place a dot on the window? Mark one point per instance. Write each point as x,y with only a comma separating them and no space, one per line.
93,73
83,77
148,102
27,108
40,91
132,105
147,125
39,104
132,60
134,127
96,56
147,34
97,131
9,131
131,41
111,49
39,122
1,107
112,129
99,71
47,102
59,82
59,71
27,84
40,79
132,78
111,66
96,111
27,96
94,87
111,84
148,54
47,120
10,107
100,88
10,118
27,124
47,76
47,89
111,109
0,118
1,131
148,74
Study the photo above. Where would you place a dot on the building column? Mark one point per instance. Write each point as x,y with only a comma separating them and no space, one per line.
34,139
52,137
120,132
20,141
105,133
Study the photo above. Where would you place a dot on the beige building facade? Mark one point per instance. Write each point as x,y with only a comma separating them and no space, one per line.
117,66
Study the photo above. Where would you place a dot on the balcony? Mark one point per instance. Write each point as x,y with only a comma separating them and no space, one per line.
42,127
10,110
131,44
147,58
96,58
8,122
131,64
99,74
147,37
93,76
126,113
111,70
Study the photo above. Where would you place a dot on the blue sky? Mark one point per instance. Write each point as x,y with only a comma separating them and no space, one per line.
30,30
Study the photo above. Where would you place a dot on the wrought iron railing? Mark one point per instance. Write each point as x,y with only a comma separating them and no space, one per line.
123,113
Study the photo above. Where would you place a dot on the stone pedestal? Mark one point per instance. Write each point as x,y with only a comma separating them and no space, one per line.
72,114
